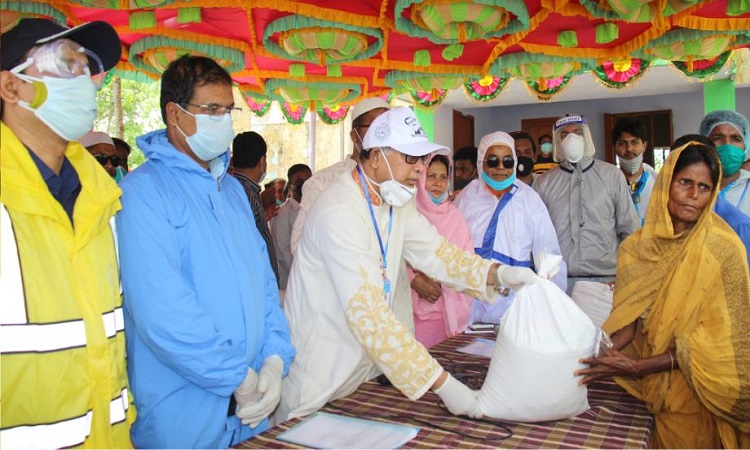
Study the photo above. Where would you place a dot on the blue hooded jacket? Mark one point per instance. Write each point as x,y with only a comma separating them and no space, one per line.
201,301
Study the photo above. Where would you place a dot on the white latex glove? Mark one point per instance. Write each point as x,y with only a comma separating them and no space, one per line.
248,390
269,393
459,399
515,277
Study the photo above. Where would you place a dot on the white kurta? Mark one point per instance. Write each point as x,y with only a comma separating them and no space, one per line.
524,231
341,324
312,188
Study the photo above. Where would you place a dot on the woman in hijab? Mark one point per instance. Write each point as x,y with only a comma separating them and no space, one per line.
508,220
681,312
439,311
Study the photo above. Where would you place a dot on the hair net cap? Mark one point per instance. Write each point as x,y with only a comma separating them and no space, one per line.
727,117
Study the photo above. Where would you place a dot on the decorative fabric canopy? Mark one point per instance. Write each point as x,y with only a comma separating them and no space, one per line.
320,54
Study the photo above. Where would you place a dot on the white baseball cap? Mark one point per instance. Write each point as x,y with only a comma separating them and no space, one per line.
368,105
95,137
400,130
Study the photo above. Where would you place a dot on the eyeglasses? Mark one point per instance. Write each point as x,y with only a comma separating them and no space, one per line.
493,162
64,59
413,159
102,159
213,110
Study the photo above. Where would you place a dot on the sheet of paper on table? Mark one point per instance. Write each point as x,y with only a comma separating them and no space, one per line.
480,347
323,430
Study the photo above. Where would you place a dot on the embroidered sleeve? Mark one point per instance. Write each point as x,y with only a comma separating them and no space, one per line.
405,362
462,270
359,287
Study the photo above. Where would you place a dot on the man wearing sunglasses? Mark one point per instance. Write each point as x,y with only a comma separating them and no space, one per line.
589,203
102,148
341,291
363,113
64,381
207,340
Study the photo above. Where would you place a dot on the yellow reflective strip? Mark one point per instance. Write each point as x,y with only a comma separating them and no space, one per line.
42,338
118,407
12,300
56,435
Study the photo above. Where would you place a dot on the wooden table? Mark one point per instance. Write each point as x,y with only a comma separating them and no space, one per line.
615,419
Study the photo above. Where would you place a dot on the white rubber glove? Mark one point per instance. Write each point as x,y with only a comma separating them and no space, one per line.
459,399
248,390
515,277
269,391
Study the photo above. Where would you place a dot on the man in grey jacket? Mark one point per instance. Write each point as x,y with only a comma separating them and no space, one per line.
589,203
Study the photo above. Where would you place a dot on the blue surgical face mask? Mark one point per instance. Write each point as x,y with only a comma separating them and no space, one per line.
212,135
731,158
546,148
438,200
69,106
498,185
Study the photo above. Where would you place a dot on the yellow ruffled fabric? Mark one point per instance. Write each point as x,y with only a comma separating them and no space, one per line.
688,292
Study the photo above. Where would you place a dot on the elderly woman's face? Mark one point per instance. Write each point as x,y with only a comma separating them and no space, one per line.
498,173
689,194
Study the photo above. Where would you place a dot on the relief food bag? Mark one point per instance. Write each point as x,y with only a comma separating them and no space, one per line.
541,338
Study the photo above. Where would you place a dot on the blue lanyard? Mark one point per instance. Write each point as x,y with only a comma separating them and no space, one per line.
636,195
383,249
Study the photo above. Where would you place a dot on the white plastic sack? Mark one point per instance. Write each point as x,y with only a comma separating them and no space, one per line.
595,299
541,338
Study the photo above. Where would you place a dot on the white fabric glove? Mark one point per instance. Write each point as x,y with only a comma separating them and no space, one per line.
268,393
247,392
459,399
515,277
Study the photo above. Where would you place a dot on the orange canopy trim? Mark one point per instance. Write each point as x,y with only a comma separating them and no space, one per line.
283,49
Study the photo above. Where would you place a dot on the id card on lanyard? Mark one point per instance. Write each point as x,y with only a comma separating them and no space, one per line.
383,249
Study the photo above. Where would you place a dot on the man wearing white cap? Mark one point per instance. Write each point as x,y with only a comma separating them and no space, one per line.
589,203
102,147
341,286
363,114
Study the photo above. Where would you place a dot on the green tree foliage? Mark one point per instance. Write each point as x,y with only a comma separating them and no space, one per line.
140,111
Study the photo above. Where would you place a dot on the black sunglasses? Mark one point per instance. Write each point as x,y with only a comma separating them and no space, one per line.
413,159
493,161
115,160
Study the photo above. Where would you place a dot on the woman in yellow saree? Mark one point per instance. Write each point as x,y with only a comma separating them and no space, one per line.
680,322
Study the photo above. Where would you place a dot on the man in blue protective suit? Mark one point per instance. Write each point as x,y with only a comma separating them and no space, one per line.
207,340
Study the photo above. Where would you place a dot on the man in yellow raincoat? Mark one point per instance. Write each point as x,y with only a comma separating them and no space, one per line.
62,344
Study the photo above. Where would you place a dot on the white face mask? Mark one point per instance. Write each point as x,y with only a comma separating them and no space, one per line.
631,166
69,108
212,135
392,192
573,148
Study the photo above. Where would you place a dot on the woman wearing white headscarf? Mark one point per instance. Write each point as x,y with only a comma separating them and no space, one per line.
508,221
